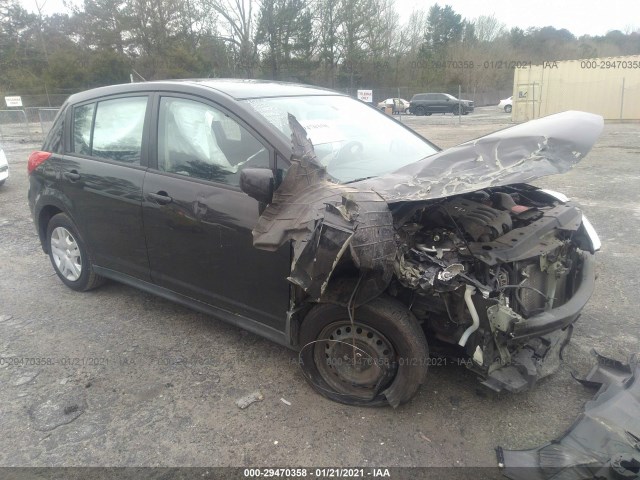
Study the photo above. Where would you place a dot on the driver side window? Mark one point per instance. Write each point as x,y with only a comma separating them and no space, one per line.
197,140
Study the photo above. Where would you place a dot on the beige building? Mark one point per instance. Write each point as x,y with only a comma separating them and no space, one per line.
608,86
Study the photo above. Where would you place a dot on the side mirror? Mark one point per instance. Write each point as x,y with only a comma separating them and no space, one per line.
257,183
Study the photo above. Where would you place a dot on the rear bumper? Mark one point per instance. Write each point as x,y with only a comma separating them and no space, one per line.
564,315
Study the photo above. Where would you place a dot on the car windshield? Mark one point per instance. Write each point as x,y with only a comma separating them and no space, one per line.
351,139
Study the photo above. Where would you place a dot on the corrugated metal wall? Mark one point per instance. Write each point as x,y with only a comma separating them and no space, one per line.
608,86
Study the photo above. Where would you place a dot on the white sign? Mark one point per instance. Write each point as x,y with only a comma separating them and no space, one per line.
365,95
13,101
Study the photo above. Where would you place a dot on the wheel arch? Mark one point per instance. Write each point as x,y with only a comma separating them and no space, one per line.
45,215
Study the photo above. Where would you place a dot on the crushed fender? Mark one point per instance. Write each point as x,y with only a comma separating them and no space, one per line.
324,219
603,443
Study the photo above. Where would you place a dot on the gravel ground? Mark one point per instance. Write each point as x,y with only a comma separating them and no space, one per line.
118,377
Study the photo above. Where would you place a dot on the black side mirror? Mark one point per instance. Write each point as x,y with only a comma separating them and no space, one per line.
257,183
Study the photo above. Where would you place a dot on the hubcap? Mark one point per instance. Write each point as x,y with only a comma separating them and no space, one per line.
354,359
66,254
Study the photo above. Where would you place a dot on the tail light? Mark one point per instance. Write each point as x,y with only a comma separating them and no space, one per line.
36,159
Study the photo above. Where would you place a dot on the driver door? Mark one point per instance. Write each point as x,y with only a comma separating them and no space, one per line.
198,223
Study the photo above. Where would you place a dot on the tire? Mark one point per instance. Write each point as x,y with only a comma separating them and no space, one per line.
2,182
384,329
73,264
508,108
419,111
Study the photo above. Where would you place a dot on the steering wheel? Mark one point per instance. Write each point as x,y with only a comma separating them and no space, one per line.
349,151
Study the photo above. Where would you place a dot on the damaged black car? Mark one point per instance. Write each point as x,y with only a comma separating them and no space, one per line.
314,220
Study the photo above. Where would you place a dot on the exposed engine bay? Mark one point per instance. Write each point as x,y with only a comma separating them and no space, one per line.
473,267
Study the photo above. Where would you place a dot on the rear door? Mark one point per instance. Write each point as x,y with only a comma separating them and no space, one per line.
197,220
440,103
102,173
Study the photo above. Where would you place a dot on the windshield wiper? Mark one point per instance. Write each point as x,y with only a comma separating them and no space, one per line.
360,179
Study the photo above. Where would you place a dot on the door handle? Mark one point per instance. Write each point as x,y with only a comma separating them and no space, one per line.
160,198
73,175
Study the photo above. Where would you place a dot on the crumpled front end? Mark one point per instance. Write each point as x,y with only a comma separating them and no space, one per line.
501,272
486,263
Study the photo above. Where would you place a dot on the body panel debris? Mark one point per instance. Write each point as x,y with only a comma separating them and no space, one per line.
603,443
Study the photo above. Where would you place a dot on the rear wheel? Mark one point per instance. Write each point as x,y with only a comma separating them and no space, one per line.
69,256
380,358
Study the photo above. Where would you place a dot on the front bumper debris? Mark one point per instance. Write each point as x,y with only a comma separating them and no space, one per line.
537,359
603,443
564,315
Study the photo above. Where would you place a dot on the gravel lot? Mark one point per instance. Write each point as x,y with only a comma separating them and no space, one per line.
123,378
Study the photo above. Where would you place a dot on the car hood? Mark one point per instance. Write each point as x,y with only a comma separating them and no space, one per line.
518,154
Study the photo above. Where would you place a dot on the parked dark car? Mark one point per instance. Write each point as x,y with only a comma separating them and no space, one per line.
428,103
309,218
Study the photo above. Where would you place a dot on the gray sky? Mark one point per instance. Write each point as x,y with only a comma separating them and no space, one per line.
580,17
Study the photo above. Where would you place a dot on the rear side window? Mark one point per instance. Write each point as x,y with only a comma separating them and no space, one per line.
111,129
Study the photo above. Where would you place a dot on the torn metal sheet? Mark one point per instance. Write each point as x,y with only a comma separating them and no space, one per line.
603,443
324,219
518,154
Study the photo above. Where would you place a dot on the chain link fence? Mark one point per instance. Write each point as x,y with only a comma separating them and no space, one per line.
27,124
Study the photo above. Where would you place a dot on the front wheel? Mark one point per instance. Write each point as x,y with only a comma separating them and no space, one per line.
419,111
69,256
380,358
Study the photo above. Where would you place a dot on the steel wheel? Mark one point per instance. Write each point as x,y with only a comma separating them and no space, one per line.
355,360
378,357
66,254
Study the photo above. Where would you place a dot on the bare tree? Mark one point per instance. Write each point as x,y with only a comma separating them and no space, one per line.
488,28
239,18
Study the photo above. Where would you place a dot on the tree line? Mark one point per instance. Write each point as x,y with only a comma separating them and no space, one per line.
342,44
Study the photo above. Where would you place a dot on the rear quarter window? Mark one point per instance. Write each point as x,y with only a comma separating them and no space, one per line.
53,141
82,120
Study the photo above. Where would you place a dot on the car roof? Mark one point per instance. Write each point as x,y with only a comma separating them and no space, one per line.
238,89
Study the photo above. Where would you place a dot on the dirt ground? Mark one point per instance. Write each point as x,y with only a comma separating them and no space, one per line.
117,377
